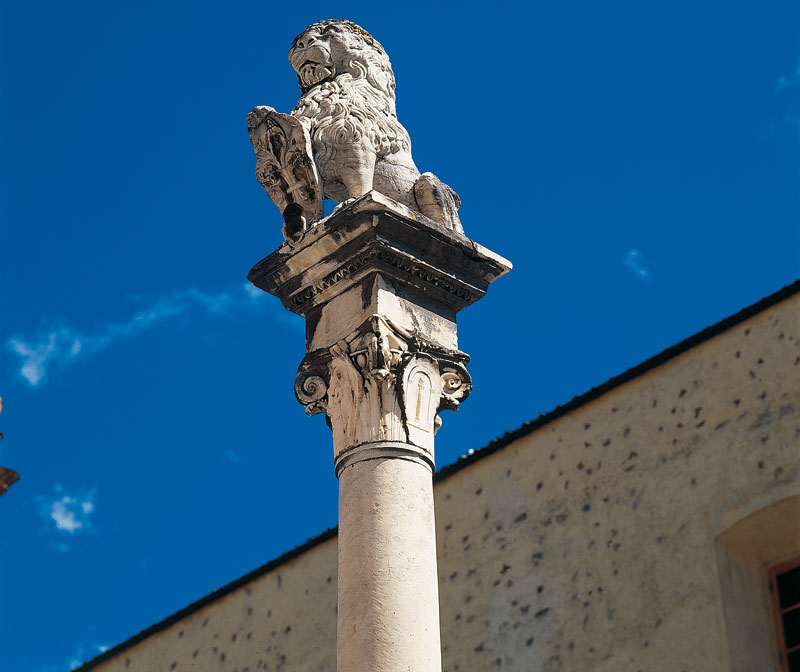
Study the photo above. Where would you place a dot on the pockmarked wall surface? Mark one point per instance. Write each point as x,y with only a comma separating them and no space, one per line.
630,530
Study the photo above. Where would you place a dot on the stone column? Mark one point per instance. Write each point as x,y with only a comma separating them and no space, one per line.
379,286
388,593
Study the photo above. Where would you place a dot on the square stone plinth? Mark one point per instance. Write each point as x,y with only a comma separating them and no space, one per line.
375,256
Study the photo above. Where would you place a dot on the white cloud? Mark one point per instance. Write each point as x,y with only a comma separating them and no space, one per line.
635,261
84,654
34,356
252,291
70,513
787,81
63,512
62,345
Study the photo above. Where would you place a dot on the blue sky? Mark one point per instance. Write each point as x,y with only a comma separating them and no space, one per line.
638,162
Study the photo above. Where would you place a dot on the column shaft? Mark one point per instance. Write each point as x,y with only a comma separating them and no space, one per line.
388,618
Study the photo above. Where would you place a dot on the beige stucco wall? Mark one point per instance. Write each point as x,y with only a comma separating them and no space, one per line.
283,620
632,533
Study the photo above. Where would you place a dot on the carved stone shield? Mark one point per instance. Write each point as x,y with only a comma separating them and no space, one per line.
284,164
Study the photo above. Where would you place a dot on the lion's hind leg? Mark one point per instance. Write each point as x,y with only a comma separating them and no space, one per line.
355,168
438,201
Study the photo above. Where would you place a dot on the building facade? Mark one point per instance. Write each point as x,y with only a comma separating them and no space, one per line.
652,524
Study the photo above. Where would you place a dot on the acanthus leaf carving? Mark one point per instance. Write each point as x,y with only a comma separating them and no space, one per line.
382,383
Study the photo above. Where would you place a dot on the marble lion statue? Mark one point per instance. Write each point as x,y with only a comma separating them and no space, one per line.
343,138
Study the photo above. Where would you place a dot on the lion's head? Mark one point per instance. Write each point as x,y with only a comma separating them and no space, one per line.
328,49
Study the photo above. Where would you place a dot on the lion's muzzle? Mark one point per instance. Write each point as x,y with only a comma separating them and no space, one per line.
312,64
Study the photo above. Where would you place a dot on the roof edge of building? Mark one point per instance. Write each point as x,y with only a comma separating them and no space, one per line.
211,597
465,461
638,370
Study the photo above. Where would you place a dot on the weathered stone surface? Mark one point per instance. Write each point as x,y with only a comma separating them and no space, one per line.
379,283
345,123
380,286
388,616
382,383
286,169
375,234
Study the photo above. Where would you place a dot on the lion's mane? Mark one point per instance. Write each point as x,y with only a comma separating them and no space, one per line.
357,103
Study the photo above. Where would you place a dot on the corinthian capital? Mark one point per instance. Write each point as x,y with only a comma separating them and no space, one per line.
383,383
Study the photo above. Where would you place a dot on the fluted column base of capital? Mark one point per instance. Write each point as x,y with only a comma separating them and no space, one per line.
388,619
